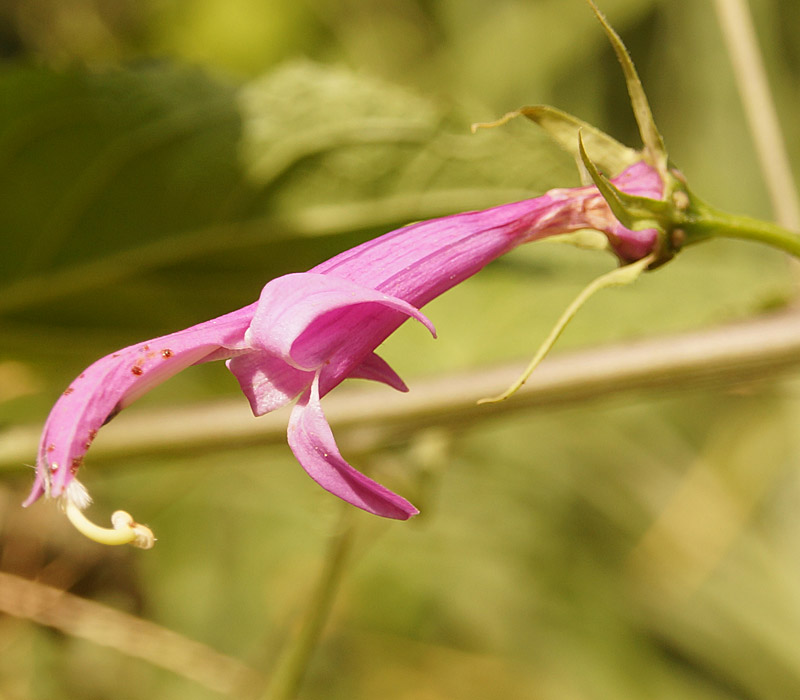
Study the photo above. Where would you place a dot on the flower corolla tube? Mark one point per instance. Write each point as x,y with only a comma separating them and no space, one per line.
310,331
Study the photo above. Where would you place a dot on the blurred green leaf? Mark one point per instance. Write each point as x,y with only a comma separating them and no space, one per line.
341,138
103,172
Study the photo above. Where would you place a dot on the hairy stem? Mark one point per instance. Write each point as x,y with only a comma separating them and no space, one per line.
706,222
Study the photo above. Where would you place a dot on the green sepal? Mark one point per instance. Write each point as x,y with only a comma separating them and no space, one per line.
654,150
612,156
632,211
627,274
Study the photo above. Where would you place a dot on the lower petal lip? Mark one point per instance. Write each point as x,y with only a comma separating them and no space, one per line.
312,442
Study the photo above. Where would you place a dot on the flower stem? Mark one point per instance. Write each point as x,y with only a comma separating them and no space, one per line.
293,662
706,222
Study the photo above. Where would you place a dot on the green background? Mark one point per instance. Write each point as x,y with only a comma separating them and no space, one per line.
160,160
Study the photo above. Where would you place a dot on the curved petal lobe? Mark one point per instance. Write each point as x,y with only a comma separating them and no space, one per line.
376,369
267,381
312,443
306,317
115,381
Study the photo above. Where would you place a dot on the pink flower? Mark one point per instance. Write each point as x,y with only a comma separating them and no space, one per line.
310,331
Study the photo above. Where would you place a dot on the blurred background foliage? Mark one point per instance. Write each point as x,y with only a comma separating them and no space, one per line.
162,159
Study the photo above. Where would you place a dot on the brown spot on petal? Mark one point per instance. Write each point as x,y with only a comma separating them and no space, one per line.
51,447
68,391
166,353
146,348
138,371
76,463
89,439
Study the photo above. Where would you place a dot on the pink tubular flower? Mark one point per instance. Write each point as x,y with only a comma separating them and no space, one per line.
310,331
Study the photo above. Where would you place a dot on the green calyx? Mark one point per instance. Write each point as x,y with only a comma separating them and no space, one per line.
668,215
608,155
679,216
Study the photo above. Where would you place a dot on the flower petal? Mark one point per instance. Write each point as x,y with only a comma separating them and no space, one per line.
305,318
117,380
376,369
267,381
312,443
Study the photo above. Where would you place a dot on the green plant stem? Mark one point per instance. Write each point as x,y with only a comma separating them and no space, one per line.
706,222
293,662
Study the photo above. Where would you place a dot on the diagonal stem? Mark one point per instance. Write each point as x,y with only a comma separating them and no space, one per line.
138,638
293,662
759,106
